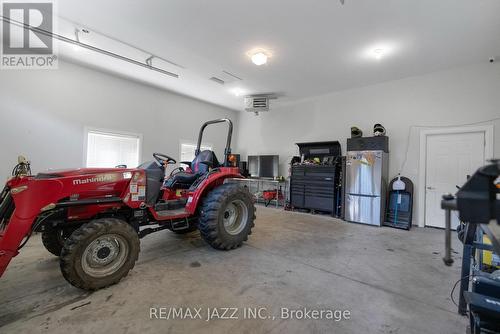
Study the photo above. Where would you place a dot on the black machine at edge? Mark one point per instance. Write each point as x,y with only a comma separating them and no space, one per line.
478,206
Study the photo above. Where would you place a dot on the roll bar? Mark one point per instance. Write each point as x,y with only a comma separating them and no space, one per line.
227,150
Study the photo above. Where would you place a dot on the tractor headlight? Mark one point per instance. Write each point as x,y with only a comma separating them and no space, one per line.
48,207
17,190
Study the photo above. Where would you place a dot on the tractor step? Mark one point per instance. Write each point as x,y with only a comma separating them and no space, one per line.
180,225
175,225
171,213
173,204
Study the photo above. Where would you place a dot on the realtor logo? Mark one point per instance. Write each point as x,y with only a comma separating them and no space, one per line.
26,35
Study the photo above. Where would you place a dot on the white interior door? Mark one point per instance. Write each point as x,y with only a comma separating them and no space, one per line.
449,159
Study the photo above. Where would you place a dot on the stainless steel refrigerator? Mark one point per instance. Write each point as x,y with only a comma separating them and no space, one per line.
365,189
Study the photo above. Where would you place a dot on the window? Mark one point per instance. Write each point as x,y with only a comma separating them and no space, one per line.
188,149
108,149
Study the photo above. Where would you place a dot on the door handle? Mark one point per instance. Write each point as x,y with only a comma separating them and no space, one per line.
431,188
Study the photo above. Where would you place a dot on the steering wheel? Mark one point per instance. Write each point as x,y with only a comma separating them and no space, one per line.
164,159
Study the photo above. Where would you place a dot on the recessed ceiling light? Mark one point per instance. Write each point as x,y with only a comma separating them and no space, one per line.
259,58
378,53
381,50
259,55
237,91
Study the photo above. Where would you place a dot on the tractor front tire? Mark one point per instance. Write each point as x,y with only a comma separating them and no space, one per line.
227,216
53,241
99,253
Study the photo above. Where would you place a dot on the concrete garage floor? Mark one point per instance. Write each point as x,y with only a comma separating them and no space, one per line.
391,281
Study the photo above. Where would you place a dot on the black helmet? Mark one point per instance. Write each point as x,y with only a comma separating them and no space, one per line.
356,132
378,130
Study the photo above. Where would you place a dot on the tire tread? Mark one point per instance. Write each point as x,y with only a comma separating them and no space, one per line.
52,242
79,236
209,213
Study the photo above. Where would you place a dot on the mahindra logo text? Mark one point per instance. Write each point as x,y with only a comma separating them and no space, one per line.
97,178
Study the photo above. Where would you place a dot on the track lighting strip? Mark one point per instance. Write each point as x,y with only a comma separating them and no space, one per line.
76,24
87,46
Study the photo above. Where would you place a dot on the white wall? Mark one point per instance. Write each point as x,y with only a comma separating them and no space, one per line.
43,114
453,97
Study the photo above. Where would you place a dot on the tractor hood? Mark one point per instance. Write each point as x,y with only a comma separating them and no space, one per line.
50,174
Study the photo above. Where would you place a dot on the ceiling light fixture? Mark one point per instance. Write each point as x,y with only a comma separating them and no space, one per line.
380,50
77,39
149,61
259,58
237,91
76,46
378,53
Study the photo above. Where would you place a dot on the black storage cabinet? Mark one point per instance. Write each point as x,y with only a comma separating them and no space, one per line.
317,187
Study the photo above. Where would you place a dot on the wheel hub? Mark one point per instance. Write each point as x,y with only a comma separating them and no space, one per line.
235,217
105,255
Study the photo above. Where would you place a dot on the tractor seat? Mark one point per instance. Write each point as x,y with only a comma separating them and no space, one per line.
200,165
184,177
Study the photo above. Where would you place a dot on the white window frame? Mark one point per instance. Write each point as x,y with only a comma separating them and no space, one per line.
193,143
112,132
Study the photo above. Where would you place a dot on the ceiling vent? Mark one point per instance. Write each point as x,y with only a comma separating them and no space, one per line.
257,104
224,78
219,81
229,77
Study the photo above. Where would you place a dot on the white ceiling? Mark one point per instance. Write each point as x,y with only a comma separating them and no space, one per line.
318,46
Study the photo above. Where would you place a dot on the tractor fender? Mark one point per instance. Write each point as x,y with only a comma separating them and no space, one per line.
213,180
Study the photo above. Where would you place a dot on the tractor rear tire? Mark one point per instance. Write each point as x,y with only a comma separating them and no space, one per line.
99,253
227,216
53,241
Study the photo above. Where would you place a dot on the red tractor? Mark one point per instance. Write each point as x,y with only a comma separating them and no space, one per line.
93,218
